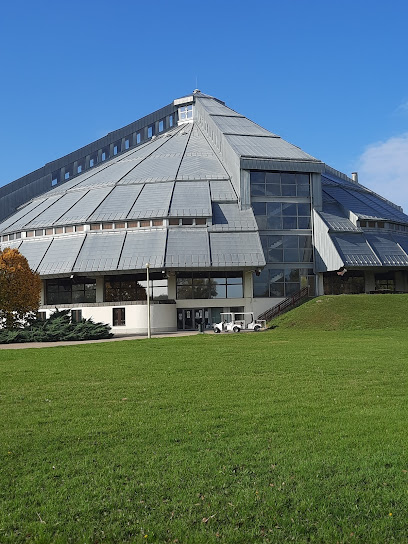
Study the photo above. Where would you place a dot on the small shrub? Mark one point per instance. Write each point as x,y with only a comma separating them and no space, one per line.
57,328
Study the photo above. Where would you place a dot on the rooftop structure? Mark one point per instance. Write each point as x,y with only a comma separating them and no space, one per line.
229,217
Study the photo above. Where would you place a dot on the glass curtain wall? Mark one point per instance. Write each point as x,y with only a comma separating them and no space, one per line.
282,207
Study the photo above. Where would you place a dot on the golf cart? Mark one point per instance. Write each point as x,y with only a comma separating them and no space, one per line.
236,322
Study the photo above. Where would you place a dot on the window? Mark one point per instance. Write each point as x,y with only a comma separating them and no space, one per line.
42,316
385,282
91,162
157,222
79,170
186,113
79,228
352,282
70,290
30,233
95,226
199,285
38,232
282,215
161,125
133,224
107,226
120,225
130,287
150,131
54,182
12,236
173,221
115,149
118,317
59,230
103,156
187,221
279,184
171,121
18,234
287,249
66,176
201,221
145,223
138,138
76,316
281,282
127,143
69,229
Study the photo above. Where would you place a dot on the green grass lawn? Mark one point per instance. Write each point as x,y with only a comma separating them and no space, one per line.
284,436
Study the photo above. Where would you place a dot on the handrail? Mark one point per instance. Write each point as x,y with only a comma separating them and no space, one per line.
286,303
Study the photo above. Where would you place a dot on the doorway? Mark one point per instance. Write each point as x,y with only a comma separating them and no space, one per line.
191,318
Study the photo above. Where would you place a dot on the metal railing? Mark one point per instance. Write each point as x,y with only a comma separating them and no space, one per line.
289,302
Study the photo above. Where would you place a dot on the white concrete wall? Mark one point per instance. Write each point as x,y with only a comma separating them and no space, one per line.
163,317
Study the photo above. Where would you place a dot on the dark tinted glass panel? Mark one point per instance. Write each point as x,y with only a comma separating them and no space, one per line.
257,177
235,291
272,177
259,208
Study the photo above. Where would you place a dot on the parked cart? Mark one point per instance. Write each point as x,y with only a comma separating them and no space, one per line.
236,322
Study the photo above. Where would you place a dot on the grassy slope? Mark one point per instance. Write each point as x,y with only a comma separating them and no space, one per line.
283,436
348,312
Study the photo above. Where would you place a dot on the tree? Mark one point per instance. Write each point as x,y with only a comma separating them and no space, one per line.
20,289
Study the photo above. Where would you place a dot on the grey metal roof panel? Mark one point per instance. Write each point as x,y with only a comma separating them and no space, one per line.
389,252
240,126
61,255
228,216
110,175
34,251
191,199
354,250
162,163
153,201
187,248
267,147
236,249
401,240
143,247
199,160
350,202
222,191
215,108
18,219
88,175
336,219
85,206
117,204
100,251
362,201
58,208
13,244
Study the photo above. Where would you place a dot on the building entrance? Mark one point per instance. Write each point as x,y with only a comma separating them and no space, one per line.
191,318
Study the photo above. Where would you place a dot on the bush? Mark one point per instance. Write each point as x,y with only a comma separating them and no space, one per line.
56,329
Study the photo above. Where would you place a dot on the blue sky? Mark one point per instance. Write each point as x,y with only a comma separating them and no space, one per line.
329,76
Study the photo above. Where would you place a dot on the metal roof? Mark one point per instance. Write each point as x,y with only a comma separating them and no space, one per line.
336,219
191,199
387,249
354,250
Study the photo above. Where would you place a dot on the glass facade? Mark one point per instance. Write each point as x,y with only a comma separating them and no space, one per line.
282,208
199,285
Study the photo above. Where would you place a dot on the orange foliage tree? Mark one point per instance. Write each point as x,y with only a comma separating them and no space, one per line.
20,289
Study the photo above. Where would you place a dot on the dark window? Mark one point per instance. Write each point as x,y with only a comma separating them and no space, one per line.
41,316
385,282
70,290
199,285
76,316
128,287
279,184
351,283
118,317
281,282
174,221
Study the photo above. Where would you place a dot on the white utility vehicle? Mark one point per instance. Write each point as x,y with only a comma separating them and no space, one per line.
236,322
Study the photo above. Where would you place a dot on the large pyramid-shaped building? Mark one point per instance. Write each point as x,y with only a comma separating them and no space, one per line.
228,216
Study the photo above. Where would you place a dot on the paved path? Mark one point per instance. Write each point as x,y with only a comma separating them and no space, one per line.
74,342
